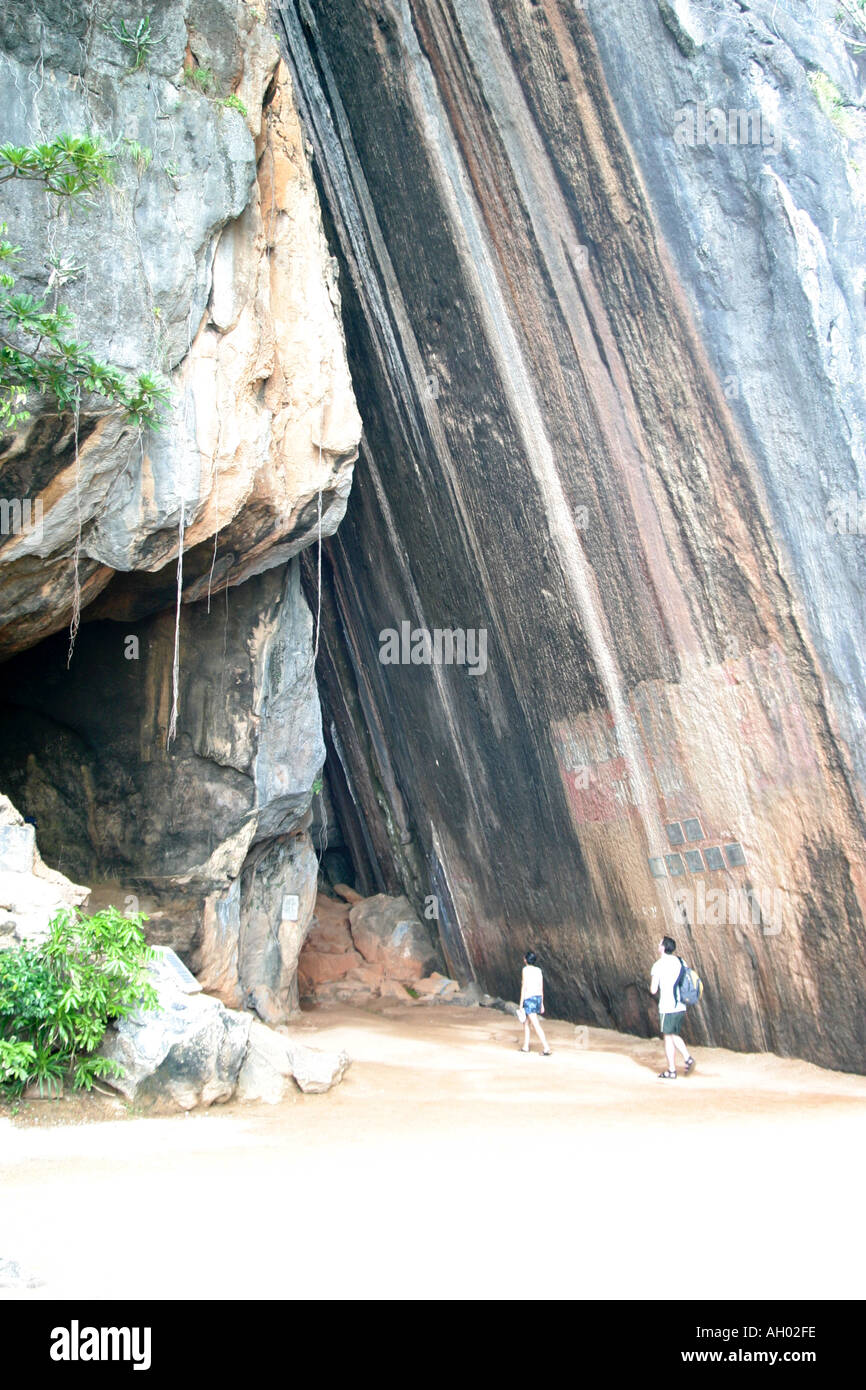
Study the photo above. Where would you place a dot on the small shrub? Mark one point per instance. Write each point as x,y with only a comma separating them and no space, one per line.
141,155
200,79
68,165
140,41
235,103
57,999
831,102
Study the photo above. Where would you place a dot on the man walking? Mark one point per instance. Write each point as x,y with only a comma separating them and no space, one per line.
663,979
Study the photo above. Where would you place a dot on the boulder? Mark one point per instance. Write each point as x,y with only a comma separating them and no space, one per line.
315,1071
437,985
266,1073
392,989
187,1052
349,894
345,991
30,892
319,968
330,927
469,995
371,976
387,932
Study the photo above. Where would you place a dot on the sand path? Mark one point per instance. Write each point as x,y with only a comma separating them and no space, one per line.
443,1162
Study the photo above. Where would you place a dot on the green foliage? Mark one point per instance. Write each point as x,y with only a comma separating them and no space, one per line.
317,786
57,999
68,165
63,271
37,352
831,101
140,41
235,103
16,1061
141,155
200,79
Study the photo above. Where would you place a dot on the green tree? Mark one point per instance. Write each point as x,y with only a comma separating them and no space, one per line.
38,354
57,999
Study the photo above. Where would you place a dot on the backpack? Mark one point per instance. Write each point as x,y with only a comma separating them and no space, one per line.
689,986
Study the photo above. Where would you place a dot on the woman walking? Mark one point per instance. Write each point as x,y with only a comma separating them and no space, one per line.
532,1001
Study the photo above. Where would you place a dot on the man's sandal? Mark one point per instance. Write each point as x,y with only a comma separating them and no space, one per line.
690,1062
667,1076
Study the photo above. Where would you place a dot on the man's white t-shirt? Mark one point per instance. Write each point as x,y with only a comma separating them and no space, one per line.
533,981
665,974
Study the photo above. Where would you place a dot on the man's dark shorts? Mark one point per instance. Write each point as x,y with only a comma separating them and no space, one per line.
672,1023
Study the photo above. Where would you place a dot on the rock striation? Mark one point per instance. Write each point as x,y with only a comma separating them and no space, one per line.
588,638
611,372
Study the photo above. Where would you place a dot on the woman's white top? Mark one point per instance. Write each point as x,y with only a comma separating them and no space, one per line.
533,981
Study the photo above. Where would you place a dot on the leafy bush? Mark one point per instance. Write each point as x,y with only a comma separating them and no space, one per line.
57,999
67,165
234,103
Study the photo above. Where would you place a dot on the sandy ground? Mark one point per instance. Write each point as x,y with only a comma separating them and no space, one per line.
449,1165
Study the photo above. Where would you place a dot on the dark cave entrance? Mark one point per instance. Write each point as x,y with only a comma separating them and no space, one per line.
83,755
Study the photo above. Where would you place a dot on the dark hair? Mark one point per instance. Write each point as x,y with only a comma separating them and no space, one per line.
530,957
668,945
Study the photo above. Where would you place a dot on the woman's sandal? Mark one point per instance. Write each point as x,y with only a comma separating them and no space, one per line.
690,1062
547,1052
524,1049
667,1076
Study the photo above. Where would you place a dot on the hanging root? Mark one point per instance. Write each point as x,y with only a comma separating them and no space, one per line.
318,586
319,559
175,668
75,620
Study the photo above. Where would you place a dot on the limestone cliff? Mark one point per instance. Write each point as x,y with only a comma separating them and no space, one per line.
206,261
606,329
604,315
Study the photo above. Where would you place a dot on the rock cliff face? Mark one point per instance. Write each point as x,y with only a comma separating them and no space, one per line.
610,366
588,643
206,261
